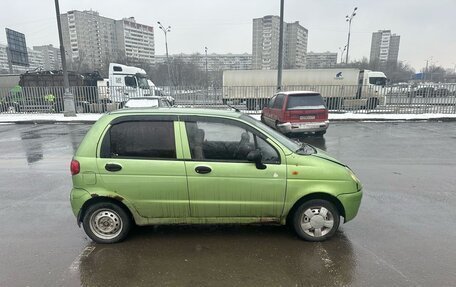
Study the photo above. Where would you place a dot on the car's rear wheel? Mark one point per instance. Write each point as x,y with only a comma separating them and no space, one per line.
316,220
106,222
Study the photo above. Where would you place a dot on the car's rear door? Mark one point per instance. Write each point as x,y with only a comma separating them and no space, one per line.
140,159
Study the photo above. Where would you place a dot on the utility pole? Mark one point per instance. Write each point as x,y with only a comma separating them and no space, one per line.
349,20
68,98
280,62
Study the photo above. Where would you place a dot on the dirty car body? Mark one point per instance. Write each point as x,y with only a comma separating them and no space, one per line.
190,166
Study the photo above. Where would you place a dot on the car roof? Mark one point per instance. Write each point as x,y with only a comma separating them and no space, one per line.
178,111
304,93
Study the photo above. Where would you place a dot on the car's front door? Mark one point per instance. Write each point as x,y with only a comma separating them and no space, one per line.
140,159
221,181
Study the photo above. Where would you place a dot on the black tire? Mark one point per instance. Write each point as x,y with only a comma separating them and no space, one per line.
372,103
320,133
316,206
262,119
111,214
334,103
250,104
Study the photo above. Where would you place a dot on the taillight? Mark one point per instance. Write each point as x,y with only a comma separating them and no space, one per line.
75,167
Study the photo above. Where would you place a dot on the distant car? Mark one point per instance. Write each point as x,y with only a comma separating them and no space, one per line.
147,102
297,112
424,92
441,92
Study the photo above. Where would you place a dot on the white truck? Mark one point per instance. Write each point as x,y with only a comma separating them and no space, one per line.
127,82
349,88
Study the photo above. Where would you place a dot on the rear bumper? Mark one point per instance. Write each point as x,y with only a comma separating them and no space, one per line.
303,127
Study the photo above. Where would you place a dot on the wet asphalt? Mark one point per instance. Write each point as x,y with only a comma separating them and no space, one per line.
404,234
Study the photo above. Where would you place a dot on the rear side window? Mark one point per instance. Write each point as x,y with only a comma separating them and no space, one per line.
271,102
278,103
296,102
140,139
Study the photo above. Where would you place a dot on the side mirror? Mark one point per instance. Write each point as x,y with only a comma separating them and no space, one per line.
256,157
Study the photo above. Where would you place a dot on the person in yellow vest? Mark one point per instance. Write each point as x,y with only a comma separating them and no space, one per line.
50,99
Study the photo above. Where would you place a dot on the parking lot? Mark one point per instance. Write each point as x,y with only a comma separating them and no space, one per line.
404,234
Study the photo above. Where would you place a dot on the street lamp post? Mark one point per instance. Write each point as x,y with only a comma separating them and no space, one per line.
207,81
280,60
427,69
165,31
342,53
349,20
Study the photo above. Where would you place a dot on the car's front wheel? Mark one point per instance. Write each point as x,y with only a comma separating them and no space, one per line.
316,220
106,222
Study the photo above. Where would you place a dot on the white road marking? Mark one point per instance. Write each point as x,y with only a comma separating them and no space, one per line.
74,267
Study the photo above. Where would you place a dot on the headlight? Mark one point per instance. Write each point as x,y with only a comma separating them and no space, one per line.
355,179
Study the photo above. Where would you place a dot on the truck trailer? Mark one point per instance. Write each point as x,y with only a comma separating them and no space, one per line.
339,87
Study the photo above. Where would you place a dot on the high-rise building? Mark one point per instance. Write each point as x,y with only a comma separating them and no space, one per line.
321,60
384,49
92,41
137,40
295,46
89,39
51,57
265,44
35,59
215,62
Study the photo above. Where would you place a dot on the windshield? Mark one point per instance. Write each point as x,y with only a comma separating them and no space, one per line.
294,146
142,82
305,101
378,81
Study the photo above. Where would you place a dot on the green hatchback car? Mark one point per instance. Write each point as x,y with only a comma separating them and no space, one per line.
191,166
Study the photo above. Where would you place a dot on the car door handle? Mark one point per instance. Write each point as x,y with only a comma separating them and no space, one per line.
113,167
203,169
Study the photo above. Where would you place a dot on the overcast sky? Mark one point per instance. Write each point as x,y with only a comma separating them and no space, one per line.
426,27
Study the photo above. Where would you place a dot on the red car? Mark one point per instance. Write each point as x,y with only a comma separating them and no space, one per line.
297,112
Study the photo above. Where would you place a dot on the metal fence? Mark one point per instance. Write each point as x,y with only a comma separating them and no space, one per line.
436,98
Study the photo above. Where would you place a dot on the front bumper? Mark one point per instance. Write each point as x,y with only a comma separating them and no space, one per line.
351,203
303,127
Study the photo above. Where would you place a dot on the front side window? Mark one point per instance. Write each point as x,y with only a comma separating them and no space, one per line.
140,139
226,141
130,81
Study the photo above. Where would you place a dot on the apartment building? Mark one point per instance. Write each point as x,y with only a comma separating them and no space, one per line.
384,49
265,44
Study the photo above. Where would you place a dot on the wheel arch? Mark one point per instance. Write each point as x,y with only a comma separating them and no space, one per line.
315,195
99,199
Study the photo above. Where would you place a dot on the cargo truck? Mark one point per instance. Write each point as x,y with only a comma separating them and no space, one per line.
43,91
340,88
